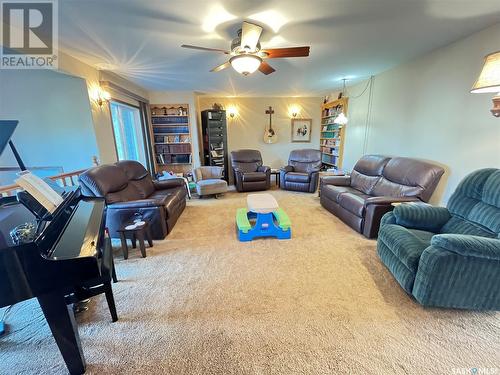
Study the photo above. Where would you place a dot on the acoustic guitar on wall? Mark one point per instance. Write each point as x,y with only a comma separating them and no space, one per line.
270,135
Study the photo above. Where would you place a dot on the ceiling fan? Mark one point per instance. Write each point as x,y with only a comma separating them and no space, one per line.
247,55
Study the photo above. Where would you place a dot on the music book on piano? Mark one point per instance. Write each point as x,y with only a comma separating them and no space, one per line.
39,190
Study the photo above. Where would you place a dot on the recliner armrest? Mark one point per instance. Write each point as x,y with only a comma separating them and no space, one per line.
336,180
264,168
139,203
469,246
287,168
421,216
168,183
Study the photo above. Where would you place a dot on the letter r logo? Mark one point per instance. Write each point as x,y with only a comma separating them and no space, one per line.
27,27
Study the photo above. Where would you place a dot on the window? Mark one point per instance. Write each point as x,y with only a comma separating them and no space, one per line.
127,127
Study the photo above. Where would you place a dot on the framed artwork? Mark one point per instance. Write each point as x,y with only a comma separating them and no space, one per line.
301,129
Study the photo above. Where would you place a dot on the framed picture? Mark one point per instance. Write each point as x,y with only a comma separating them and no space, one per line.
301,129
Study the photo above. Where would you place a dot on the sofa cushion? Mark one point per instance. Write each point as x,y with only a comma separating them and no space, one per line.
144,186
371,165
297,177
254,176
333,192
354,203
129,193
133,169
363,183
459,225
305,160
406,245
173,193
138,176
246,160
405,177
104,179
475,204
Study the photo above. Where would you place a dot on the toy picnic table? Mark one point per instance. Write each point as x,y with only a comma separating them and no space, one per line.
270,220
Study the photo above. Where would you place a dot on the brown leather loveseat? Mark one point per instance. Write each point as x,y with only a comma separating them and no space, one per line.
361,199
129,189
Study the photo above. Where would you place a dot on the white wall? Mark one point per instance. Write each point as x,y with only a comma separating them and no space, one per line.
55,122
101,116
424,109
246,130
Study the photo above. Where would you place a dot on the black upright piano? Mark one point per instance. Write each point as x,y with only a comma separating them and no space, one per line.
69,260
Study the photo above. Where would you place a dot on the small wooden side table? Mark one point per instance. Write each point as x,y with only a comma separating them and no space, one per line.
140,232
276,173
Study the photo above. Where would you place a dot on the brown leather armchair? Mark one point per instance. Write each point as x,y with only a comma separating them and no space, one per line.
249,173
129,189
302,171
361,199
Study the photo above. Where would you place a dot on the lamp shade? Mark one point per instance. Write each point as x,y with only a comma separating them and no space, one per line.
245,64
489,79
340,119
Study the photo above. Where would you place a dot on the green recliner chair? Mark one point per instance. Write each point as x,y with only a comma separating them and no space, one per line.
448,257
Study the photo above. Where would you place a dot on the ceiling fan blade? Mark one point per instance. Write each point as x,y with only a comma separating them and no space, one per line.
266,68
205,49
227,64
250,35
277,53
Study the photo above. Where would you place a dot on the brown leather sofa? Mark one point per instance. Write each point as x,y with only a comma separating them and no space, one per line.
129,189
302,171
361,199
249,173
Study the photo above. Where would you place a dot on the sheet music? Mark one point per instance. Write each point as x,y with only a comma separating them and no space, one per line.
40,190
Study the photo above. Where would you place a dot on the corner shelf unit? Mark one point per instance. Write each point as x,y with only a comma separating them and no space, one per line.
171,137
332,135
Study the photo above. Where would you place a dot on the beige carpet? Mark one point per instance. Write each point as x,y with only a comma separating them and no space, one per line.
204,303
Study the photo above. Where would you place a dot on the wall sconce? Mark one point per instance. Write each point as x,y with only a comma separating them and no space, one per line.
489,80
99,96
294,110
232,111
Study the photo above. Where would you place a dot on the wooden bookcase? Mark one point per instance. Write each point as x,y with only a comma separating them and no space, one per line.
171,137
332,135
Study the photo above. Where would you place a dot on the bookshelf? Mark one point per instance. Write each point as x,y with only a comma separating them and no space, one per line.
332,135
171,137
214,130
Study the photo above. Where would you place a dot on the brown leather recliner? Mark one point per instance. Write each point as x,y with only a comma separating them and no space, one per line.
129,189
361,199
249,173
302,171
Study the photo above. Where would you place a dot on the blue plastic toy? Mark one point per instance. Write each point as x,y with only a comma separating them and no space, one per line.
268,221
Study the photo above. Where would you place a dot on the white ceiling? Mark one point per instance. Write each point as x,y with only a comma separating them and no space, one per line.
141,40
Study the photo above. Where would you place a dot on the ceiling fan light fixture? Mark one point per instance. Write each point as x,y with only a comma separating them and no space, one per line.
245,64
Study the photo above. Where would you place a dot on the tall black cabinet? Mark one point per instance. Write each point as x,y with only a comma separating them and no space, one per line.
214,130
